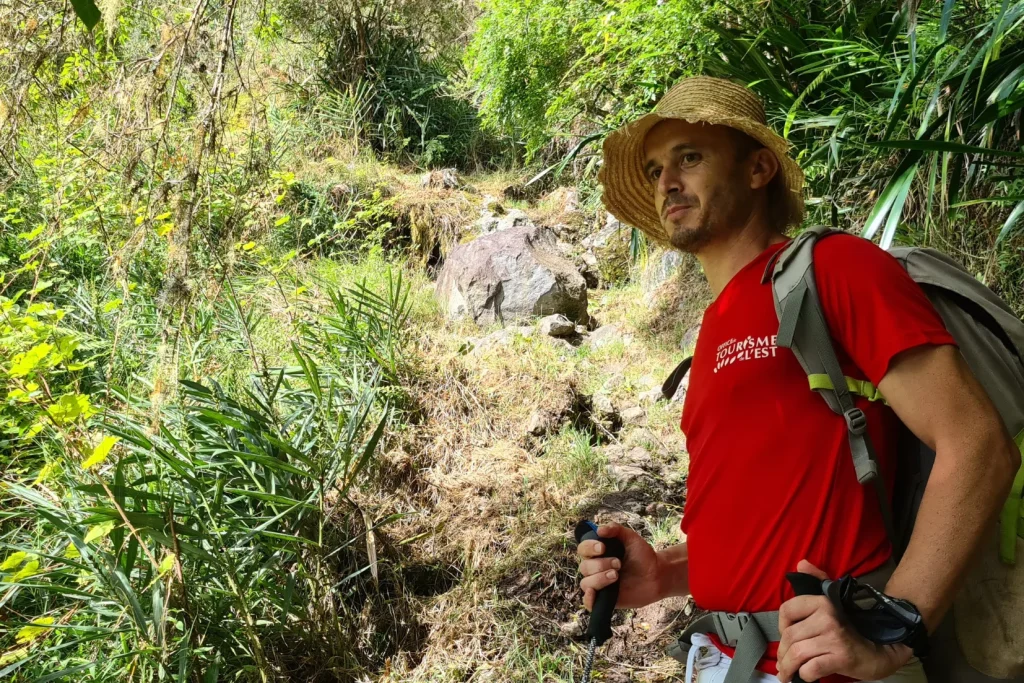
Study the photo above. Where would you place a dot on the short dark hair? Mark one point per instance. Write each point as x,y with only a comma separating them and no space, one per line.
783,211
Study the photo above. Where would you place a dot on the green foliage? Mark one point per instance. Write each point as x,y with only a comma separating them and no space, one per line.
200,534
545,68
907,125
390,71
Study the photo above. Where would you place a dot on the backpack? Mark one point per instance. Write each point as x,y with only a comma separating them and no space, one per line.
982,637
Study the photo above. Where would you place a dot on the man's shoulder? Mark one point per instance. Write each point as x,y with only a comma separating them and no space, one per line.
846,256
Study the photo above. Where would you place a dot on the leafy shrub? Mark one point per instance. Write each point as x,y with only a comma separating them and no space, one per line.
907,124
545,68
209,535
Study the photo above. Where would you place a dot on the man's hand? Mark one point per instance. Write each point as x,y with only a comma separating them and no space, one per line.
818,642
640,582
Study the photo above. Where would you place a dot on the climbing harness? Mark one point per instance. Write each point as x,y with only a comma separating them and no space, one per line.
600,627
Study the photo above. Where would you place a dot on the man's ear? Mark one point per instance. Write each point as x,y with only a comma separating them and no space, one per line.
765,166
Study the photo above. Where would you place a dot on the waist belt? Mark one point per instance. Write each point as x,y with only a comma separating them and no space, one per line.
750,632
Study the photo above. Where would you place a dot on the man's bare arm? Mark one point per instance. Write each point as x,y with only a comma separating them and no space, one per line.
934,393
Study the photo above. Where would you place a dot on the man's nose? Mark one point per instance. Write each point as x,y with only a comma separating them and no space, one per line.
669,182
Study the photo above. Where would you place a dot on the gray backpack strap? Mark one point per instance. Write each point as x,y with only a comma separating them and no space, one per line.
804,330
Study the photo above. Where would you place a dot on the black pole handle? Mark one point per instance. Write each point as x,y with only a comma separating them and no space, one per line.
600,628
804,584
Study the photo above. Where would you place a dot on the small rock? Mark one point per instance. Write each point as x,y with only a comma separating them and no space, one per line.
557,326
442,179
608,334
651,396
503,337
655,509
640,457
569,628
487,224
541,422
603,406
612,452
634,415
626,475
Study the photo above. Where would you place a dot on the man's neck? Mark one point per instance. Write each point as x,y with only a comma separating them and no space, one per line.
722,259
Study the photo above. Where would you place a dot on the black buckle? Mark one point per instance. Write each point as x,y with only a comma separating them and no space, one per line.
856,421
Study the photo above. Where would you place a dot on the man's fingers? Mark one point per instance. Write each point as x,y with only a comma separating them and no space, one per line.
589,595
822,666
597,565
799,608
814,625
590,549
599,581
801,653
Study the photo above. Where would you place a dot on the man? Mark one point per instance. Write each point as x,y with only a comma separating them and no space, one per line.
771,486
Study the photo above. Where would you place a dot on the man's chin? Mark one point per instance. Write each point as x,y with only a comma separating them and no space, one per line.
687,238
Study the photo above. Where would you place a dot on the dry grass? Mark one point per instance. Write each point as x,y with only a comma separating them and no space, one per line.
484,551
497,505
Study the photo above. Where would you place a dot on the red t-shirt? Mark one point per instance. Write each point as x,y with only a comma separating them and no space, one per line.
771,479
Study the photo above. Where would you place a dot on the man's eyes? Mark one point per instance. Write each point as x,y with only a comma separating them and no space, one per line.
687,159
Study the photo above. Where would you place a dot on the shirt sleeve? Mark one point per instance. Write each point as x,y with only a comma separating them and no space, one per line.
873,307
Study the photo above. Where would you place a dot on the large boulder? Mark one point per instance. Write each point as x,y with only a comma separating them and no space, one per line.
512,273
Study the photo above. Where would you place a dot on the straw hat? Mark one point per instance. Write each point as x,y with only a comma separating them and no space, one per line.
629,194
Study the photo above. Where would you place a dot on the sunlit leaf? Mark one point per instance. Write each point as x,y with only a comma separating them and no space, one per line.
282,220
38,627
100,453
166,564
24,363
32,234
164,229
13,655
70,407
31,568
112,305
14,561
100,531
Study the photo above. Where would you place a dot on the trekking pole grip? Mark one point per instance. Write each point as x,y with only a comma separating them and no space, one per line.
804,584
600,628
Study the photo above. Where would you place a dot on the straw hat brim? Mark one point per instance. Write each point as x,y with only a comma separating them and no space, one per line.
629,195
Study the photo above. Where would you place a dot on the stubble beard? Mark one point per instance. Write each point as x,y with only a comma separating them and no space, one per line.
691,240
722,210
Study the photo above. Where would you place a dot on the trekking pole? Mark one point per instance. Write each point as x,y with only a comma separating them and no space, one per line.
804,584
600,627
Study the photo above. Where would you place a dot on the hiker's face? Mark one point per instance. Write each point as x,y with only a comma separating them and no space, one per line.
702,181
